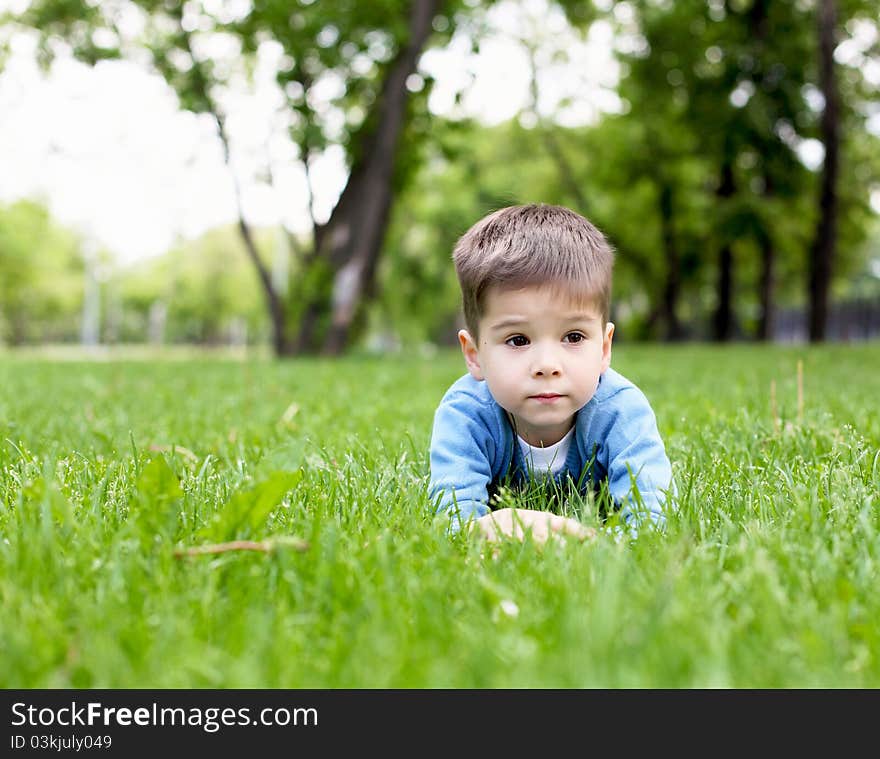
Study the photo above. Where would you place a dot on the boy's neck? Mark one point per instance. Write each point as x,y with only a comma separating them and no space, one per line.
541,438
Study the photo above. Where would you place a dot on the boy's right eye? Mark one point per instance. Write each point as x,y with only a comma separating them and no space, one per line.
517,341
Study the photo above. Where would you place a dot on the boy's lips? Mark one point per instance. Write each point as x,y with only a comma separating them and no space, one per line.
546,397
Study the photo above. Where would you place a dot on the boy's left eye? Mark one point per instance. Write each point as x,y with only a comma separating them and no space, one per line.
574,337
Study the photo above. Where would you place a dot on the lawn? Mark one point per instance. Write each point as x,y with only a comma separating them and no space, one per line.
766,576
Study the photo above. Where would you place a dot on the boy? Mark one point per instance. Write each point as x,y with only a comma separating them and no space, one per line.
539,399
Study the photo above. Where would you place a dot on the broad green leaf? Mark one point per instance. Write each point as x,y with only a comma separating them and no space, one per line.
156,503
55,510
158,482
247,510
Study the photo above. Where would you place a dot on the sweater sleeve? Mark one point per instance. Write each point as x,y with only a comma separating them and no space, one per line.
462,451
639,472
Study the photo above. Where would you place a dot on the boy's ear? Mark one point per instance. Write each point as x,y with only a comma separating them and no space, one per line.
606,345
469,351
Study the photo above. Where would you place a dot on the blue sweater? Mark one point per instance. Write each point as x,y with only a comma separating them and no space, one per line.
473,450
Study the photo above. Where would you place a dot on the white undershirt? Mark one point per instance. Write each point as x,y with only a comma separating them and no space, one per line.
550,459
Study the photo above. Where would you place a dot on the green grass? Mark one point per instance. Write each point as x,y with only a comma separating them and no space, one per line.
767,575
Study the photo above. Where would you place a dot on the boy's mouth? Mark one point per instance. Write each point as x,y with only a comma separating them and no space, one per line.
546,397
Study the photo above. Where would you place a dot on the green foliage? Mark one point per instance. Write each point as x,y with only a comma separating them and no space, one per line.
469,171
41,276
204,287
766,576
731,84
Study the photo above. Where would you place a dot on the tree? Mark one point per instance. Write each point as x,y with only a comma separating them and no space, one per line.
370,49
743,75
351,240
821,259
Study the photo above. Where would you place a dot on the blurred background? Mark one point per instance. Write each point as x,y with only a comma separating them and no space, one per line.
291,176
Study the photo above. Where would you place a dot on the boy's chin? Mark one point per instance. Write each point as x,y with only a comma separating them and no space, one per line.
547,423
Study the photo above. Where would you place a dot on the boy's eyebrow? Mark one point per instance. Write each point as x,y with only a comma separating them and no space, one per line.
511,321
515,321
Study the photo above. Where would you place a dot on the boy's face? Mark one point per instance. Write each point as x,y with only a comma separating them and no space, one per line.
541,356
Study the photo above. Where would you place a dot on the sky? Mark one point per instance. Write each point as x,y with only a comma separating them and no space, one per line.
114,158
110,152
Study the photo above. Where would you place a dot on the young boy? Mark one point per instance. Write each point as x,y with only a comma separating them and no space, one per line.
539,399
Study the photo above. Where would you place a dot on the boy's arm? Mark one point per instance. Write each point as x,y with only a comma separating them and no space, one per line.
636,459
462,449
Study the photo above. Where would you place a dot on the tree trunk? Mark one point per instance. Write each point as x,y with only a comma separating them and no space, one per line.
767,281
308,327
352,238
825,241
672,284
722,323
758,26
274,303
17,329
90,328
767,288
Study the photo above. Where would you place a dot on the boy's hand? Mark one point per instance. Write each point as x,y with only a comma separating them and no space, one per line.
514,523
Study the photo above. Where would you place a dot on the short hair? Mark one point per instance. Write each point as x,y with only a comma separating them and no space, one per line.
535,244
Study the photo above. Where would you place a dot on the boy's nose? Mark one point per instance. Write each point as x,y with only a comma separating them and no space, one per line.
547,372
546,365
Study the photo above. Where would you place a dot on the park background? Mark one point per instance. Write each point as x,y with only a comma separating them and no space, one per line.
228,311
295,175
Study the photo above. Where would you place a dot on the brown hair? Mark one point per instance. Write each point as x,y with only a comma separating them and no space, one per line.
521,246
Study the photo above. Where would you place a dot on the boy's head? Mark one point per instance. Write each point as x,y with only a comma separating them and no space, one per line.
536,285
533,245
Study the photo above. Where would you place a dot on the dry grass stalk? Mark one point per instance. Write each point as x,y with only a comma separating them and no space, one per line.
172,449
773,411
264,546
800,391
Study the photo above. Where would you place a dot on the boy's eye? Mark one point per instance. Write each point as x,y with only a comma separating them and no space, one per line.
574,337
517,341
